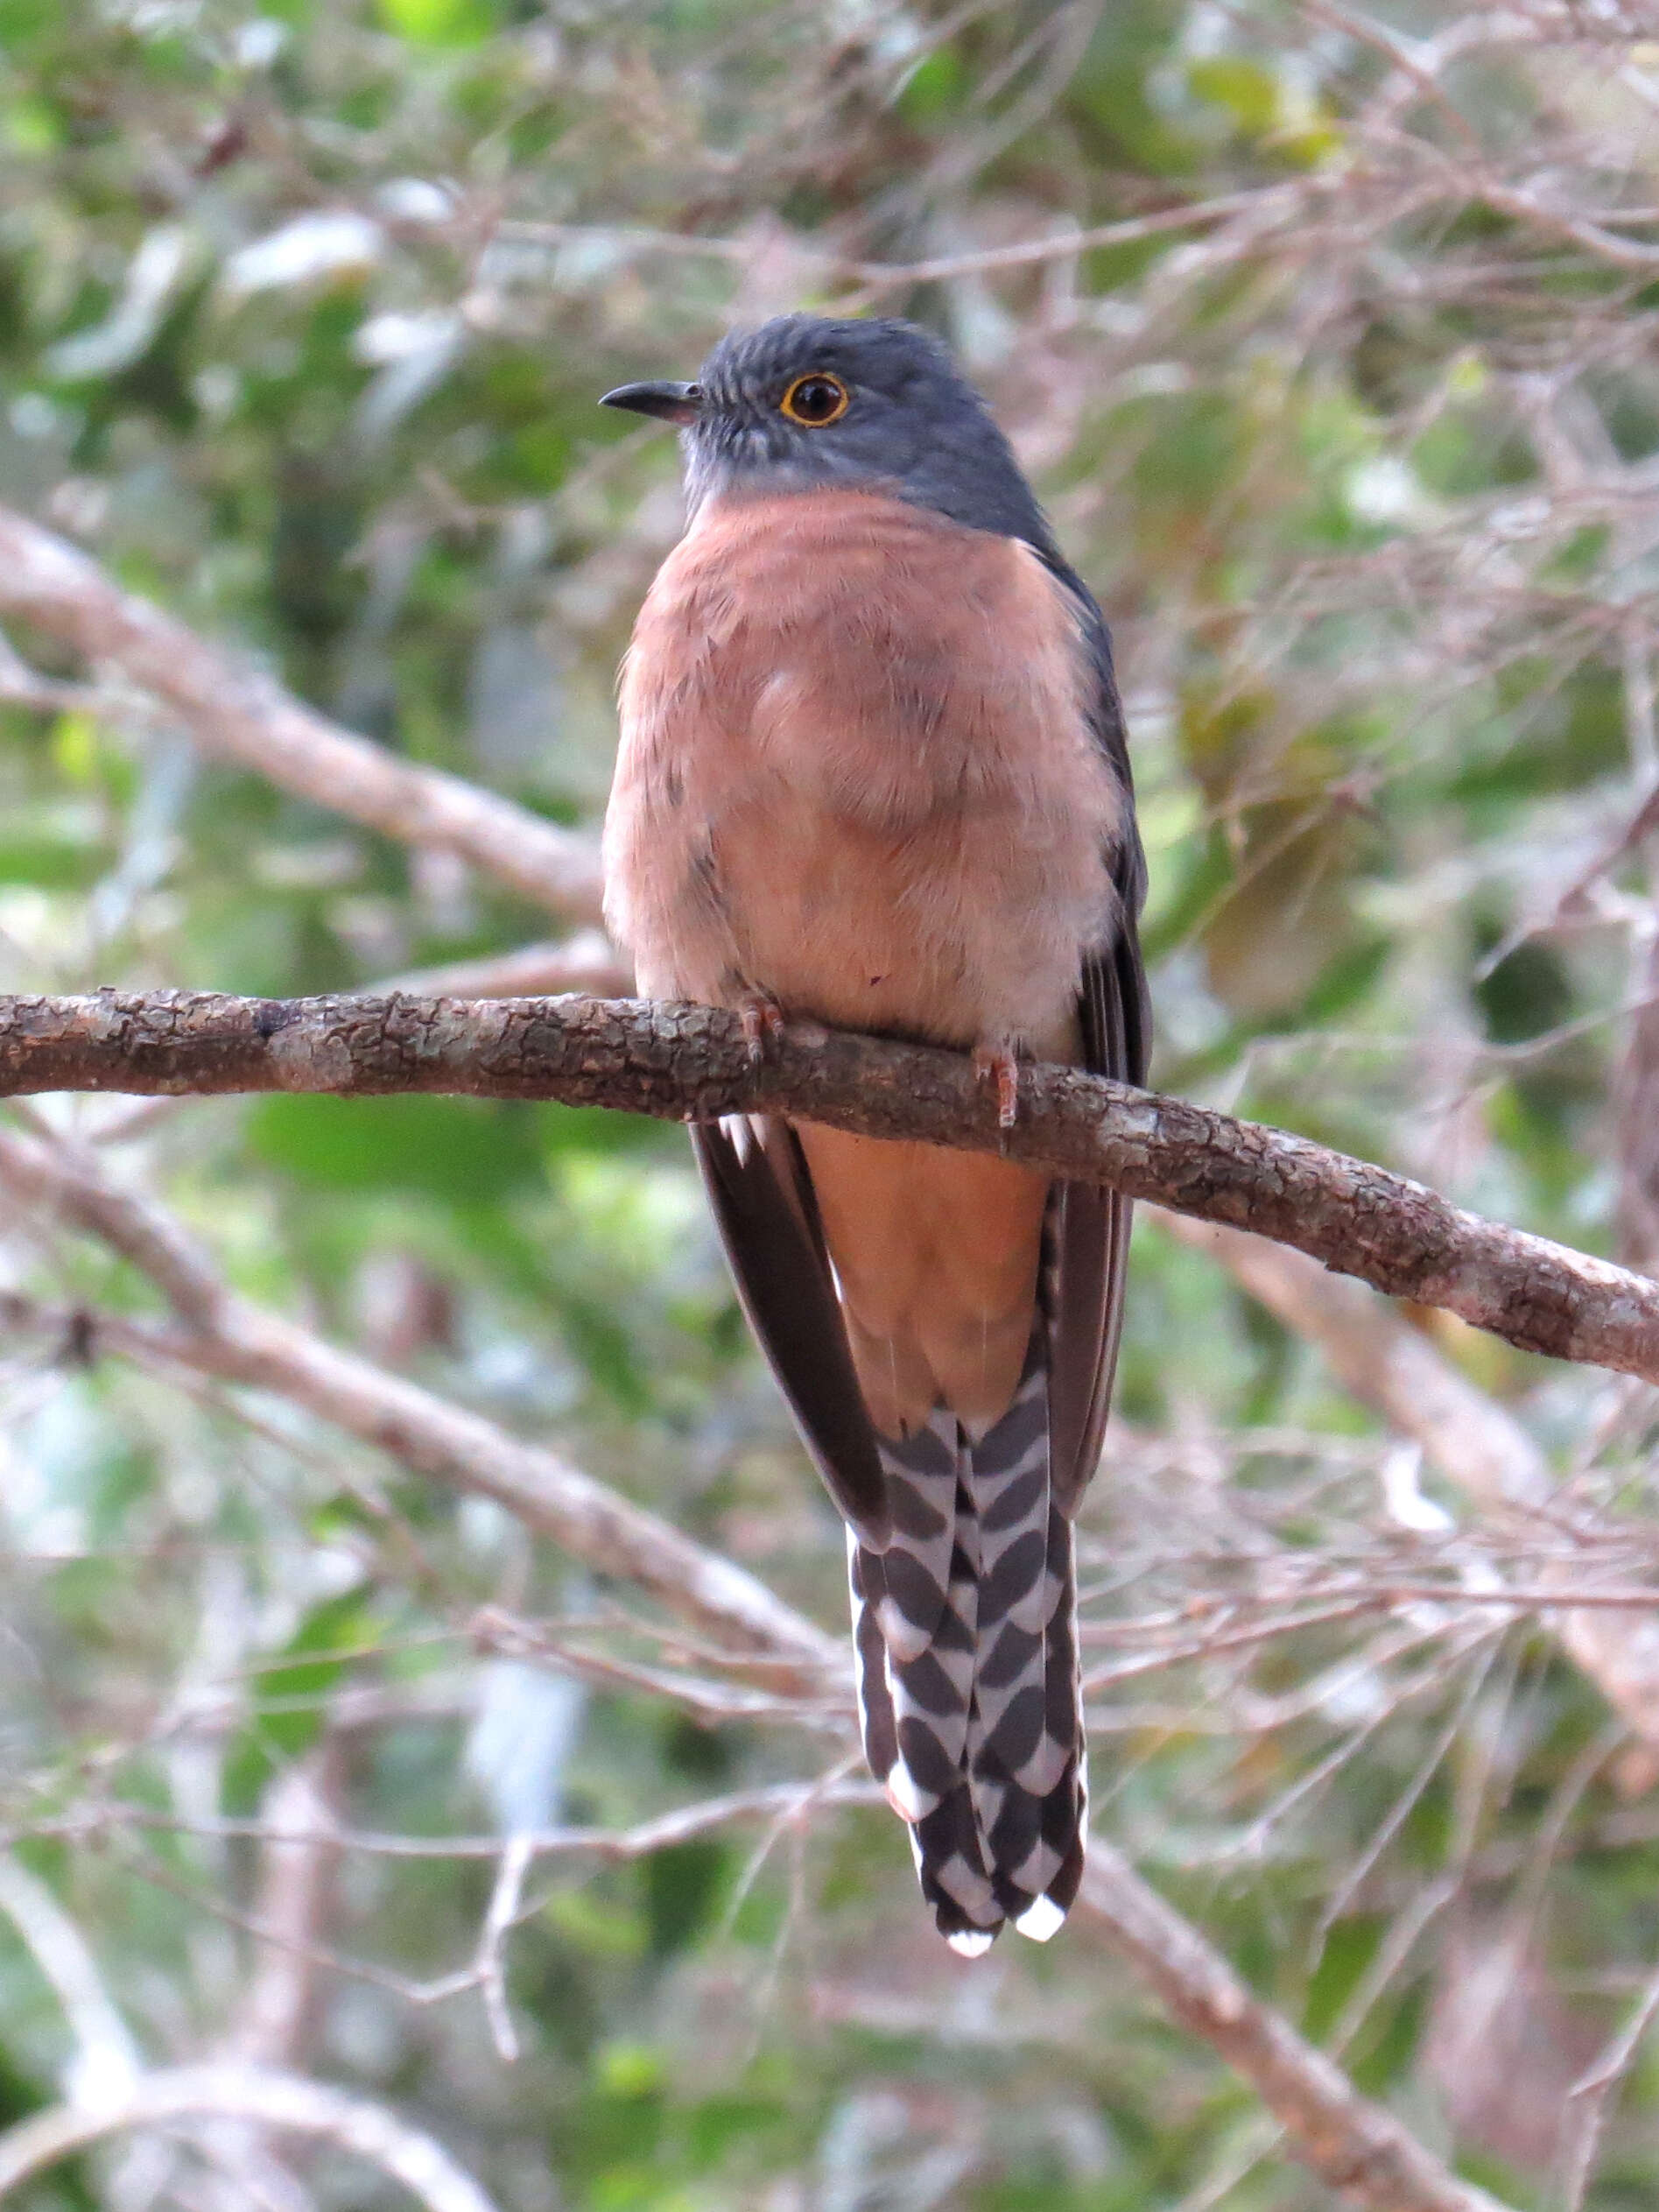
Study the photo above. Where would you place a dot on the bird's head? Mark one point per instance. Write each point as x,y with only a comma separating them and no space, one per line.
810,404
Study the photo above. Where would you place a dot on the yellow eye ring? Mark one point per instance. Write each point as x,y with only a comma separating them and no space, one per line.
816,399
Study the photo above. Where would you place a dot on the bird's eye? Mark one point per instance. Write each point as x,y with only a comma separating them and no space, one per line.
816,399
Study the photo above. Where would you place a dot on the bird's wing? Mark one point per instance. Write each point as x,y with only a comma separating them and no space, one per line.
763,1201
1088,1225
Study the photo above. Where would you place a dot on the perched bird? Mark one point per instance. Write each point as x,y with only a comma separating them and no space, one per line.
873,771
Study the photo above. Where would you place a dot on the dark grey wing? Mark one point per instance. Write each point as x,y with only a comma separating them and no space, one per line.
1089,1226
763,1199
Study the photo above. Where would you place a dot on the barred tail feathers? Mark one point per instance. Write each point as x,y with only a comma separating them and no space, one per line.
965,1631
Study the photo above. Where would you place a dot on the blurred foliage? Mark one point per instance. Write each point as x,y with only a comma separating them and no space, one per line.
303,317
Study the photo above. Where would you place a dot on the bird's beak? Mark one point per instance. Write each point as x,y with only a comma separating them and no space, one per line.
670,403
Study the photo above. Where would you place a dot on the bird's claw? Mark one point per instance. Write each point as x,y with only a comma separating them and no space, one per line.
996,1064
763,1021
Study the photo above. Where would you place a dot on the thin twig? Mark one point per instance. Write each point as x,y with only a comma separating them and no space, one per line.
105,2055
1333,2129
1475,1441
518,1856
876,277
1587,2098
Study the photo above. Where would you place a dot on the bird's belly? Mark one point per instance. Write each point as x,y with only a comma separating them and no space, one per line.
942,932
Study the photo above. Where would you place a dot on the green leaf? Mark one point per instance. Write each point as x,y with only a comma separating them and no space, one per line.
464,1151
439,22
1248,92
288,1696
48,862
684,1886
1349,1948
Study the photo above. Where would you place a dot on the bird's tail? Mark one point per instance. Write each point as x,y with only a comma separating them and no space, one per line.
965,1631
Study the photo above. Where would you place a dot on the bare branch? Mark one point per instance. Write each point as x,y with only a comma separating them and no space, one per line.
350,2124
693,1063
21,686
709,1700
1277,202
588,962
1589,2095
106,2058
1342,2136
1269,205
518,1851
221,1333
1347,2140
295,1825
769,1802
235,712
1391,1365
1527,206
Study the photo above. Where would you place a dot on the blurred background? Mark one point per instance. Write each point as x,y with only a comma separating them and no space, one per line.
1328,337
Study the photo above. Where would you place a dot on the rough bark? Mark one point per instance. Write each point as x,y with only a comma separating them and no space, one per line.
692,1063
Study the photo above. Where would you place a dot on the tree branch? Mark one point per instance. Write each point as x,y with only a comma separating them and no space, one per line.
1277,201
296,1852
692,1063
588,962
106,2058
351,2124
235,712
1352,2144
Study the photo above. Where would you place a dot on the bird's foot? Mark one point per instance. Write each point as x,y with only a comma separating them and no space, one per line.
763,1021
997,1063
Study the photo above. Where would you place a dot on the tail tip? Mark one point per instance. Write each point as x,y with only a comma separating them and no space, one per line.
1041,1919
971,1943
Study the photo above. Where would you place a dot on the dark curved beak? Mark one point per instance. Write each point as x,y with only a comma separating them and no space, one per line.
670,402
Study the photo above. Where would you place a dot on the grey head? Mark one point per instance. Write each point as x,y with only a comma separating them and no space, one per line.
809,403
